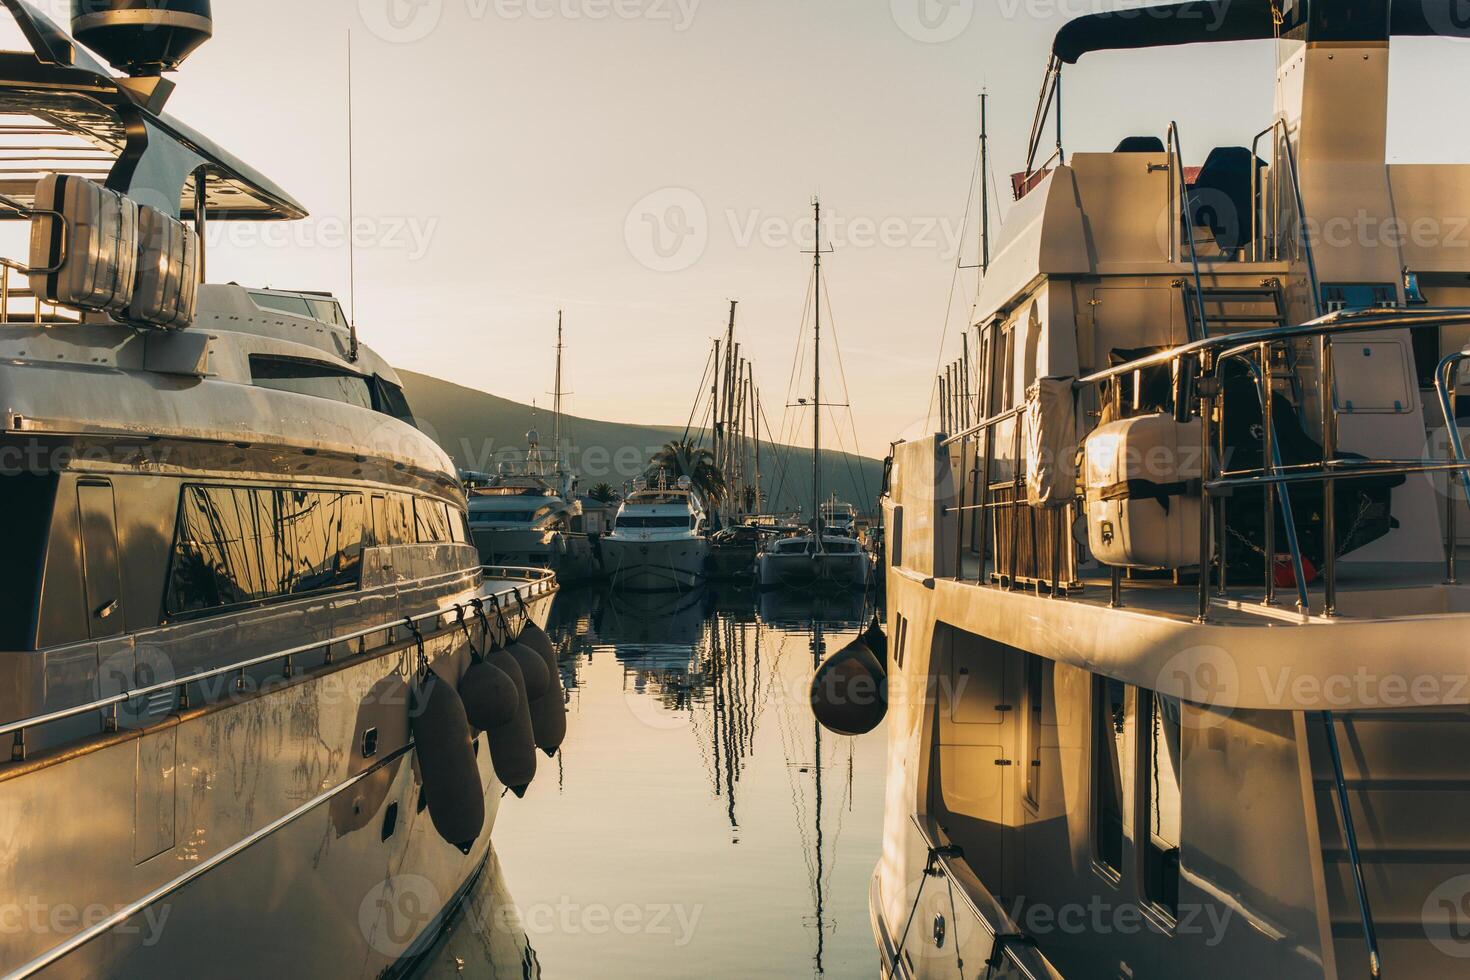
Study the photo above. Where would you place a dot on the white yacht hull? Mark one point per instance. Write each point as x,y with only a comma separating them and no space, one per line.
806,571
655,566
226,827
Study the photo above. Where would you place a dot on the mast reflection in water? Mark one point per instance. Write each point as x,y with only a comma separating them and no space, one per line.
699,822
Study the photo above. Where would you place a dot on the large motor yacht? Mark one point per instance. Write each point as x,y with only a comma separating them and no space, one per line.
232,565
528,514
1176,680
658,542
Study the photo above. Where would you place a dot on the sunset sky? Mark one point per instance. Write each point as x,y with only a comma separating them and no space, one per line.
639,163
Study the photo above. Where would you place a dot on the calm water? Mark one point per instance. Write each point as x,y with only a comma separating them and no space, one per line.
696,822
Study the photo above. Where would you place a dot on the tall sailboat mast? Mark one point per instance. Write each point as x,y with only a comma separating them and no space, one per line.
817,380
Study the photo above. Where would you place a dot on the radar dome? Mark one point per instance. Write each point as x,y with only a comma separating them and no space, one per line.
142,37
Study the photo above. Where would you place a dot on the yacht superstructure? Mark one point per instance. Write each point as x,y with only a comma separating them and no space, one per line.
658,542
1176,680
231,564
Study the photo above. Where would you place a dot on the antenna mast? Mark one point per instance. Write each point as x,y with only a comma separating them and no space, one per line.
352,348
984,187
817,380
556,398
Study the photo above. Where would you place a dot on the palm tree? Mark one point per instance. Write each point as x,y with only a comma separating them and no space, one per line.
678,458
603,493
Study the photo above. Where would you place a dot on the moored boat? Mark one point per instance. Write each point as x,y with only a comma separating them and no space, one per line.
239,589
1175,677
657,542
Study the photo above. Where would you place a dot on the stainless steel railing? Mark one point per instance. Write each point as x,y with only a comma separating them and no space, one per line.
1197,368
539,582
1281,147
1180,185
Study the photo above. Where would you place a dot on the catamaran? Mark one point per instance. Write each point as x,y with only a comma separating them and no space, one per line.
1177,676
232,565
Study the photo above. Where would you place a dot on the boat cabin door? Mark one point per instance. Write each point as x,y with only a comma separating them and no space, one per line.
101,573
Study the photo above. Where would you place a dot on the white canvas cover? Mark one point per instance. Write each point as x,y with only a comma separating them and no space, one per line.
1051,443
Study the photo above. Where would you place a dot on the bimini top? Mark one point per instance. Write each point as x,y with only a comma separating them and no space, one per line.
62,111
1214,21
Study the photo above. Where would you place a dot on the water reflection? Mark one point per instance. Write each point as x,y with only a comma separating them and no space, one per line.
702,823
487,939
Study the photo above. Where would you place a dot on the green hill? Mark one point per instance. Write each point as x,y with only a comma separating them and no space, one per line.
480,430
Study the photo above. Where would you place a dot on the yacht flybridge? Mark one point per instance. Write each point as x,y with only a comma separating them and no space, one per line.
1178,681
239,591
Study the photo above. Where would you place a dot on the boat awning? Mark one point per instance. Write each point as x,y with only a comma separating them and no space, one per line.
1214,21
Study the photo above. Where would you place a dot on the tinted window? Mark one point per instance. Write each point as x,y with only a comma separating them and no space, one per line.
1161,757
379,535
638,521
310,378
400,520
327,311
459,529
26,500
238,545
430,521
391,400
1109,763
294,305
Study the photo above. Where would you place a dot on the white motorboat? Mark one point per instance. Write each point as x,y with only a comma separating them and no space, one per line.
658,541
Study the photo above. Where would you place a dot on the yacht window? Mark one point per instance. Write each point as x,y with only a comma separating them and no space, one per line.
504,516
643,521
459,527
238,545
294,305
390,400
26,501
1160,750
327,311
306,377
377,532
430,521
1109,761
400,528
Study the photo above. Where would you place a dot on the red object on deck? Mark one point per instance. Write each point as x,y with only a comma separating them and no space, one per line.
1286,575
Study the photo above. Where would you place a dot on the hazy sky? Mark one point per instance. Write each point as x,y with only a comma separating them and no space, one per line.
639,163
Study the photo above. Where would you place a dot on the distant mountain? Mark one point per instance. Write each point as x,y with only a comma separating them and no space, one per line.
480,430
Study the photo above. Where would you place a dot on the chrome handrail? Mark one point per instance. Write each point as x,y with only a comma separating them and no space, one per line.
1350,838
535,577
1176,163
1257,203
